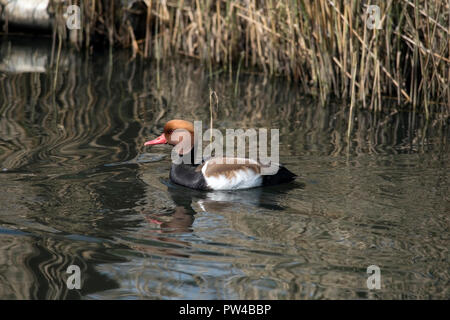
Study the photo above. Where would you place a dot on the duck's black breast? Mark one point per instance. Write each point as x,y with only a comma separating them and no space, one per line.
187,175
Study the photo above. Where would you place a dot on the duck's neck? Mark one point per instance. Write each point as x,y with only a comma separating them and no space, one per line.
188,158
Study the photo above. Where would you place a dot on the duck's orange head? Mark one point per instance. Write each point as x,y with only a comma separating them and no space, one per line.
173,133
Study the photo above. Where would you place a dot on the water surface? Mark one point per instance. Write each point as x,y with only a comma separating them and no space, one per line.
78,187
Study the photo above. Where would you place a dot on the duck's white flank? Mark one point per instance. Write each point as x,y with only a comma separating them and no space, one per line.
242,178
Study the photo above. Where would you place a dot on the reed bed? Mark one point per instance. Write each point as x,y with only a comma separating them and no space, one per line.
325,46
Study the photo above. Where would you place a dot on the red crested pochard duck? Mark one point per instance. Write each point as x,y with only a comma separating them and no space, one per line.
215,173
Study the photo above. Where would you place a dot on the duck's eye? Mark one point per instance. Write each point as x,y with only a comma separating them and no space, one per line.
169,131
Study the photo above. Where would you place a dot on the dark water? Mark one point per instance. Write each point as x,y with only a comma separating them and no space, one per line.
77,187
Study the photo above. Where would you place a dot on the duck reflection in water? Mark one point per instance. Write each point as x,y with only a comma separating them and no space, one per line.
189,202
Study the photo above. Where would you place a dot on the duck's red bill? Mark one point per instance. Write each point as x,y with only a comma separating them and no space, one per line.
160,140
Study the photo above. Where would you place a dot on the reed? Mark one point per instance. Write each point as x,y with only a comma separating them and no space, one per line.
324,45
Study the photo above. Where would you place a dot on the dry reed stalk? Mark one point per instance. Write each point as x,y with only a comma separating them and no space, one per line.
310,42
212,94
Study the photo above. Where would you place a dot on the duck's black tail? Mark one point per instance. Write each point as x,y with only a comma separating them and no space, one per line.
282,176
